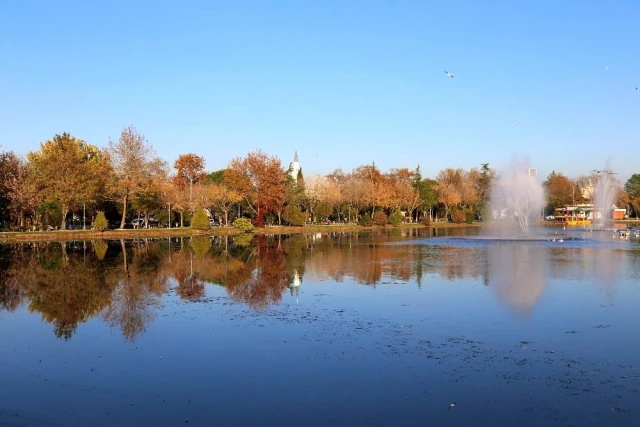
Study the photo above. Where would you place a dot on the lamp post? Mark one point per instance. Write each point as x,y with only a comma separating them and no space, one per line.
169,209
83,216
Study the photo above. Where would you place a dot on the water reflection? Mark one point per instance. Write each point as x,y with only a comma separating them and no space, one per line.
124,282
517,274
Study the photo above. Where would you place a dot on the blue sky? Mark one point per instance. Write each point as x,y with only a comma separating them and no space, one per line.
346,82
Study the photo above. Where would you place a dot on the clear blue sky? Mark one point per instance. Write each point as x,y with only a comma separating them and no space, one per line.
347,82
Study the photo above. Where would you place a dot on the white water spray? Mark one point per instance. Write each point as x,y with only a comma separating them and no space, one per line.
605,190
517,194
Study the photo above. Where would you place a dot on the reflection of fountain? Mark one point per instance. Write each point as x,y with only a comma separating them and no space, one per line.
516,273
605,190
516,193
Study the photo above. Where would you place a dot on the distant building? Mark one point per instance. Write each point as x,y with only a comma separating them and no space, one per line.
533,172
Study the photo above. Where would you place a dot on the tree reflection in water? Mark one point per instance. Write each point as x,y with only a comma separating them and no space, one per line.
124,282
138,288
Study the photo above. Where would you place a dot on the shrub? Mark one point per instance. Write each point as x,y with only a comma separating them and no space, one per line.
243,224
380,218
469,216
365,220
396,218
200,220
457,216
426,221
294,216
100,223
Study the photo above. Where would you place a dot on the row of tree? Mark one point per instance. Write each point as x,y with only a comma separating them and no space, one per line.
68,176
563,191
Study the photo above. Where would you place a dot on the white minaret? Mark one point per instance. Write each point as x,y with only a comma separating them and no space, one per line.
295,166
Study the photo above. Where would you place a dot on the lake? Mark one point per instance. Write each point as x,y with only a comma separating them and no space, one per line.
404,327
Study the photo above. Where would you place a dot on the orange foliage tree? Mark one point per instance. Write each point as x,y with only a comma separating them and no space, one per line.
260,180
189,171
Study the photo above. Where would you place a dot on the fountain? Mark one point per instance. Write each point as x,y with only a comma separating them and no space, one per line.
605,191
517,194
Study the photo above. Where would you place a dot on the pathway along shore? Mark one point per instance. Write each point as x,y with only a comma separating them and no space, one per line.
67,235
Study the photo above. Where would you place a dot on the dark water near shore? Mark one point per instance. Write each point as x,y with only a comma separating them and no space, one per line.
399,328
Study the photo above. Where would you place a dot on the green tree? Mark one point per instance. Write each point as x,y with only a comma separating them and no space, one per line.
216,177
69,171
484,184
294,216
428,195
323,211
632,187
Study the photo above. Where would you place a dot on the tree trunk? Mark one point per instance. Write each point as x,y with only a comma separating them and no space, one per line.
226,217
124,210
65,212
181,220
146,219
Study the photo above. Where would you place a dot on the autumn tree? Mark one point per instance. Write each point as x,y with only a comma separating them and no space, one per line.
226,199
354,193
10,166
20,189
559,189
375,187
178,199
150,197
275,187
404,192
449,188
69,171
134,163
584,188
189,171
260,180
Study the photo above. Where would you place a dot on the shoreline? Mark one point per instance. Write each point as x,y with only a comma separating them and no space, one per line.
67,235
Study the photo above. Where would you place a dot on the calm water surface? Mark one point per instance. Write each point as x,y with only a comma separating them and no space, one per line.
398,328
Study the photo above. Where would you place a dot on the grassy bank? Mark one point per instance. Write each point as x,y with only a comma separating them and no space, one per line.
66,235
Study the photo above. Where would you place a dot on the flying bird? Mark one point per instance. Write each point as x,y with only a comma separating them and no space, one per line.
606,67
521,120
448,74
637,87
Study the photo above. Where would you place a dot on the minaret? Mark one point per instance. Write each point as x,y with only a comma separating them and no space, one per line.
295,167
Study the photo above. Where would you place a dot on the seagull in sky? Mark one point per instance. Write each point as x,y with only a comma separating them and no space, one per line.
448,74
637,87
521,120
606,67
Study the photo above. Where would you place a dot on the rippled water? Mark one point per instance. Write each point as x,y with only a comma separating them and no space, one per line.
398,328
